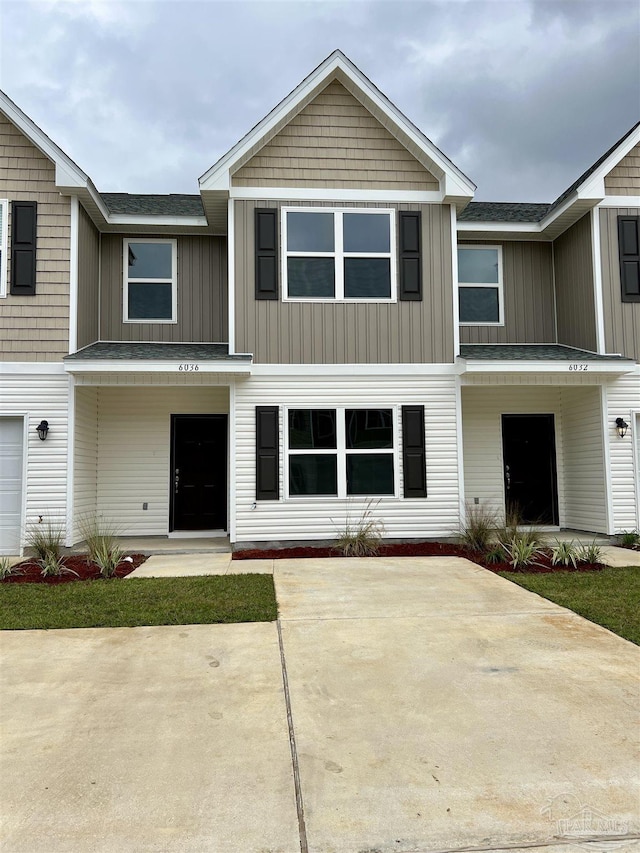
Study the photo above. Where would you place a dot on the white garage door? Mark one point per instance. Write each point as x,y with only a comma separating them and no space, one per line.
11,432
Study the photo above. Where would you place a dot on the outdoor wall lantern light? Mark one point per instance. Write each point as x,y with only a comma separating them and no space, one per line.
621,427
43,430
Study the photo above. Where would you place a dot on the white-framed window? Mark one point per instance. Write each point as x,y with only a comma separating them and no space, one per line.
4,244
338,254
341,452
480,294
150,281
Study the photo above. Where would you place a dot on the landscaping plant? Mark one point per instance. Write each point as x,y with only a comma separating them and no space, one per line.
52,566
521,552
590,553
363,537
479,527
564,554
100,538
45,539
630,539
7,569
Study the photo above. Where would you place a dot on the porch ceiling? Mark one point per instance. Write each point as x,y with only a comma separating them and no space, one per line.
128,357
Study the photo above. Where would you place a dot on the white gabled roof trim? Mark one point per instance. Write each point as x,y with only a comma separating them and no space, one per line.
593,185
218,177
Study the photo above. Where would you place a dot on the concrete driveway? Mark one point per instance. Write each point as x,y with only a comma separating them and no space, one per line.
431,705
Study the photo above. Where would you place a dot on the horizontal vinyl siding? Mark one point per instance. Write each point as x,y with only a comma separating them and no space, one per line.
202,293
134,451
621,319
624,179
279,332
623,399
584,468
88,279
527,270
86,457
41,397
572,253
320,518
35,328
482,408
335,142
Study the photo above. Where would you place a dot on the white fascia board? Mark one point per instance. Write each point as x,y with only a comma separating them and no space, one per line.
516,227
319,194
155,366
217,177
32,368
482,366
314,370
595,182
68,174
137,219
620,201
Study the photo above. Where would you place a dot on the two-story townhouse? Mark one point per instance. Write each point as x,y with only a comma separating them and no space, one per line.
332,319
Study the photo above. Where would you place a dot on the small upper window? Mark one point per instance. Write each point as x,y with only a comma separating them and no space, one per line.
150,281
338,254
480,285
4,242
629,246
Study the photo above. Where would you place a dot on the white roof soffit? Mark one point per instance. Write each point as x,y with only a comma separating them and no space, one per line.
454,184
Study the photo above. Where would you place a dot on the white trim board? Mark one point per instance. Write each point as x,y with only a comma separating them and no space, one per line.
336,194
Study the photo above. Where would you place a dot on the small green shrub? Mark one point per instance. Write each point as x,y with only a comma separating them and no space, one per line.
591,553
630,539
7,570
521,553
479,527
495,553
100,538
564,554
45,538
52,566
362,537
107,557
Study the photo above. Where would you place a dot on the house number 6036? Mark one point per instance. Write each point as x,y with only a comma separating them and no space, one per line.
188,368
578,367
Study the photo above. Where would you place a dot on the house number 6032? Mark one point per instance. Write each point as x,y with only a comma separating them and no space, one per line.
578,367
188,368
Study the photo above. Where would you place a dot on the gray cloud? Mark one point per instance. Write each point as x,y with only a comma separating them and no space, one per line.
522,94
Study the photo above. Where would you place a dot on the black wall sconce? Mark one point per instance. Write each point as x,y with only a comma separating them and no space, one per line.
621,427
42,430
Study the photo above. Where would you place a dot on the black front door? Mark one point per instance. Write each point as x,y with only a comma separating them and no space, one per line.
198,472
529,453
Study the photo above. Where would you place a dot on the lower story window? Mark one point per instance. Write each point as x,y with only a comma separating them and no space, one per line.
341,452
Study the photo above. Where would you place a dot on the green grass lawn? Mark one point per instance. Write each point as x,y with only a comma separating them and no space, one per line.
142,601
610,598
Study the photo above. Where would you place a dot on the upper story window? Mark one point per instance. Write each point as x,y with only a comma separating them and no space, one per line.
338,255
4,242
480,285
629,246
150,281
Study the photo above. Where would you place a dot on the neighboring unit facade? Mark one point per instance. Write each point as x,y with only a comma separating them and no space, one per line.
331,324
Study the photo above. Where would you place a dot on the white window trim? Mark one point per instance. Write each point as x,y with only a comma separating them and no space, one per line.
339,254
341,452
499,285
173,281
4,246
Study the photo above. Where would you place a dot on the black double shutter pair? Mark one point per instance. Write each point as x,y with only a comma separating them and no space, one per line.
24,216
410,264
629,245
268,453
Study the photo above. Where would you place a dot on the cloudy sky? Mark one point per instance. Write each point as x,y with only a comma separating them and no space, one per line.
145,95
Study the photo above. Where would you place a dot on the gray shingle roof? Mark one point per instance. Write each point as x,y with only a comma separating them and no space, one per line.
533,352
156,352
154,205
502,211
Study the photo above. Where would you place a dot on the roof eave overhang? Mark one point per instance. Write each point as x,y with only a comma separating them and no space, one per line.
135,366
487,366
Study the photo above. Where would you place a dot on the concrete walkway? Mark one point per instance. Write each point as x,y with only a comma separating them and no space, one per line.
398,705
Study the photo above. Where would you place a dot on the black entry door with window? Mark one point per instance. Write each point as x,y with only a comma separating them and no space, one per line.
530,481
198,472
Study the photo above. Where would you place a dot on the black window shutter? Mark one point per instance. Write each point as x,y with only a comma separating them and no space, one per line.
267,454
629,245
23,248
410,227
414,464
266,237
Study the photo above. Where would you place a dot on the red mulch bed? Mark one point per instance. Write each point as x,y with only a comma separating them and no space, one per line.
29,571
415,549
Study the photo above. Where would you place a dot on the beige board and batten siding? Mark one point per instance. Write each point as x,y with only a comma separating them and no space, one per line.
201,299
88,280
320,517
278,332
575,302
623,401
527,272
85,474
624,179
35,328
621,319
38,396
134,451
335,142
